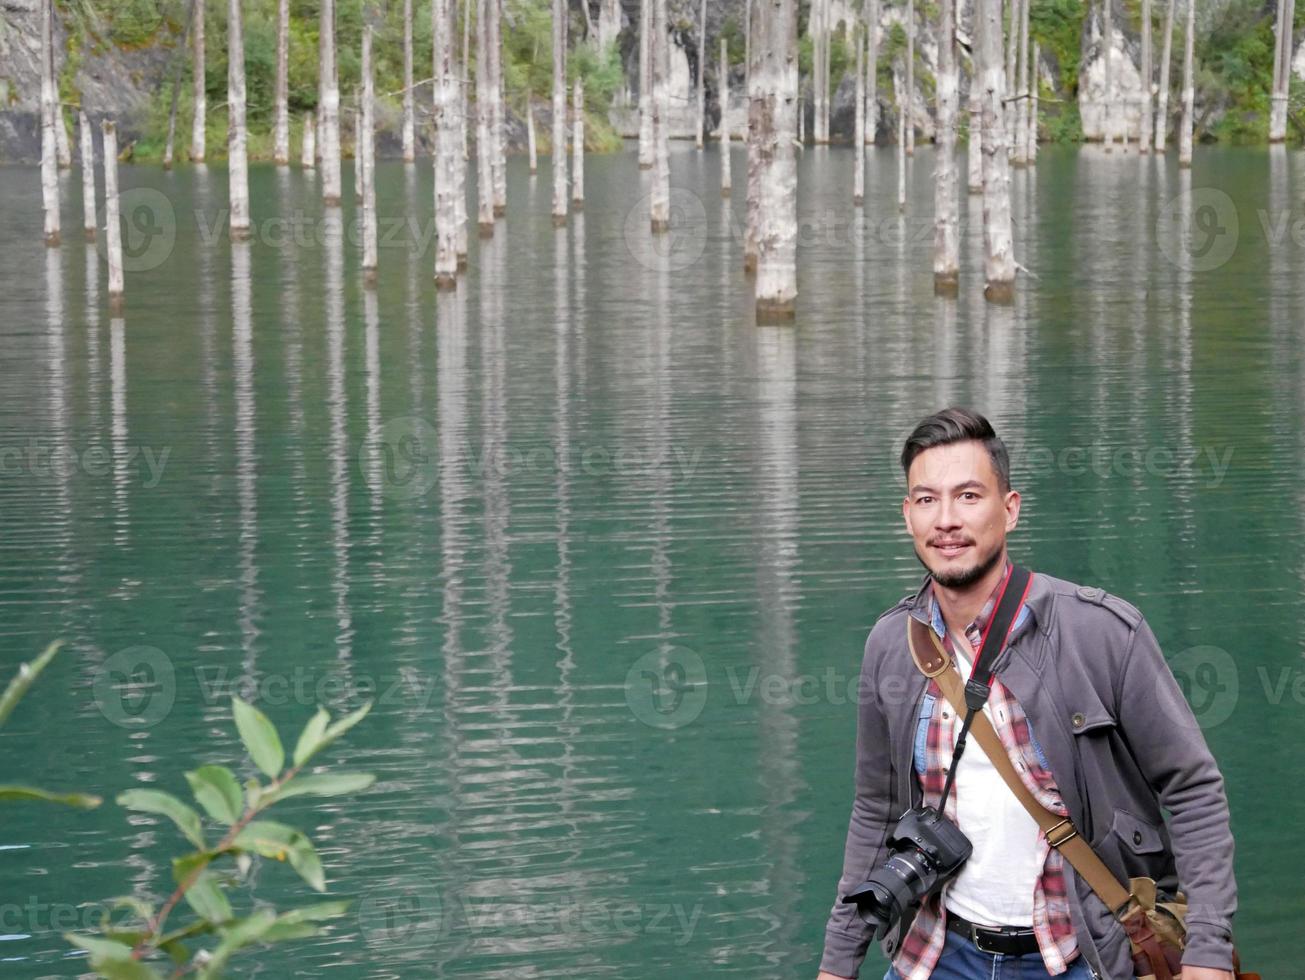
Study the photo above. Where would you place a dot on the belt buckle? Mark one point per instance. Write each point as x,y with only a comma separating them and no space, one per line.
978,944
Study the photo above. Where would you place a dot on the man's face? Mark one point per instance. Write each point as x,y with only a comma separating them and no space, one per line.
956,513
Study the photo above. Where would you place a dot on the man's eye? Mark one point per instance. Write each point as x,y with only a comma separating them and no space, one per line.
923,500
970,493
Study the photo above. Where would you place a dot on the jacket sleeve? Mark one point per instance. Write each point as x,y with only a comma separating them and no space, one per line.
846,937
1171,751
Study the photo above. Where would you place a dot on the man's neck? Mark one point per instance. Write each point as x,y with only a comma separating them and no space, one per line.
960,606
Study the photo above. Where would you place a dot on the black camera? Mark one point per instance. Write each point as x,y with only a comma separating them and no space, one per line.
927,851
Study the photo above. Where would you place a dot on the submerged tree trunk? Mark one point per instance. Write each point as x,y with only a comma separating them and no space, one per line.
1032,153
468,6
199,122
999,258
88,175
702,71
910,76
112,230
1144,119
724,76
308,152
328,110
946,233
1189,90
559,112
485,121
367,159
816,27
462,120
1162,92
578,146
901,140
1108,95
281,112
660,200
1282,58
872,75
645,84
498,157
169,144
858,135
531,148
975,148
49,114
1012,21
1020,156
752,212
448,149
776,283
357,148
237,159
409,127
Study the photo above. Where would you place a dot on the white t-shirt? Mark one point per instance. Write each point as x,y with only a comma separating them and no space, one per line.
995,886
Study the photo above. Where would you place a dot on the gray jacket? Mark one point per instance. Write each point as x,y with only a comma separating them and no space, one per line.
1121,742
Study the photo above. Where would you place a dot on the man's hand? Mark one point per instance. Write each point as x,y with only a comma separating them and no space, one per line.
1204,973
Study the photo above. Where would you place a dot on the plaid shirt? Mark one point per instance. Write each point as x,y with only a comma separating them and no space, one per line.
923,944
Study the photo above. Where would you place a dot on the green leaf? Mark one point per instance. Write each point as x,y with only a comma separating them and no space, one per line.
207,898
141,909
156,801
236,936
111,960
329,784
281,931
187,863
315,913
217,791
27,673
125,970
172,944
83,800
260,738
311,737
102,949
344,724
282,843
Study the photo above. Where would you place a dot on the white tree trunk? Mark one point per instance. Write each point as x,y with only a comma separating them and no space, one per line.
1032,153
901,138
1020,156
660,202
112,230
975,148
872,75
702,70
409,125
448,148
328,111
858,135
49,114
1282,59
169,145
817,28
1108,93
999,258
559,112
467,7
357,148
88,175
577,147
498,161
237,158
199,122
724,87
367,159
1162,92
1189,89
946,232
308,153
645,84
1148,73
62,146
1012,35
910,76
776,283
609,22
802,113
531,147
281,111
463,122
752,210
485,120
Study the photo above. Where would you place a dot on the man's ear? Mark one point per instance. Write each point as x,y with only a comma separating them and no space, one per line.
1012,510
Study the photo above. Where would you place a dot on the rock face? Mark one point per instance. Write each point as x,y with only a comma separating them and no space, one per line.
1127,85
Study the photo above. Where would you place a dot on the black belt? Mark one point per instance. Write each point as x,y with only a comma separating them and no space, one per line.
1004,941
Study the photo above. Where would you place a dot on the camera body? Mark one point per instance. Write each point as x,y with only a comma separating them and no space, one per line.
928,850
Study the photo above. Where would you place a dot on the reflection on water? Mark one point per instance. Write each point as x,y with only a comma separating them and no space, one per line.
490,509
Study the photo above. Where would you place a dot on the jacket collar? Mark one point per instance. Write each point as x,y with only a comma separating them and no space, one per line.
1038,603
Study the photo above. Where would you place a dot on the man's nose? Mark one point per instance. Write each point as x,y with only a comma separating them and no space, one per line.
947,516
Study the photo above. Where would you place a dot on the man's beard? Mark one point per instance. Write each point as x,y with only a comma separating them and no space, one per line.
966,577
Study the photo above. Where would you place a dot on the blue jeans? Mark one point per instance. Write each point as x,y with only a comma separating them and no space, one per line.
961,961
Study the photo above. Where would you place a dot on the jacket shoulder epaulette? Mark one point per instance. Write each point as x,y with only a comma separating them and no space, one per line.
1100,597
901,603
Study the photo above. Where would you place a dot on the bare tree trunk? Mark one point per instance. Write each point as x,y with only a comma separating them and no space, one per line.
1282,58
498,159
901,139
357,148
999,258
1148,72
724,86
1162,92
645,84
872,76
816,26
308,153
1108,97
559,112
702,70
1033,111
409,126
1020,156
112,230
170,143
485,121
448,149
462,80
281,111
975,147
609,22
237,159
946,234
467,7
802,112
49,113
88,175
578,147
776,284
367,159
752,211
1189,88
328,110
62,147
1012,18
530,135
910,76
660,202
858,137
198,130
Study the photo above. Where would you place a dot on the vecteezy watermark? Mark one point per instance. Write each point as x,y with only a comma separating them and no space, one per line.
680,245
401,457
409,915
45,459
1107,461
137,687
33,915
1208,679
149,229
667,688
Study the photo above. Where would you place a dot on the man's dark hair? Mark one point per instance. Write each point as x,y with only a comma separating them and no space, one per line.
958,425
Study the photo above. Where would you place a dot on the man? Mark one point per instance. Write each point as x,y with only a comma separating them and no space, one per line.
1086,707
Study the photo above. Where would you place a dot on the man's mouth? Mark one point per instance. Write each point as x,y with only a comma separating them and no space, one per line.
951,549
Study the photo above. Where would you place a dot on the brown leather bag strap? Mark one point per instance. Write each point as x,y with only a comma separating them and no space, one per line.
933,661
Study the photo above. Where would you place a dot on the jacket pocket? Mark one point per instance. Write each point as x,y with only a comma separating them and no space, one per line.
922,732
1136,834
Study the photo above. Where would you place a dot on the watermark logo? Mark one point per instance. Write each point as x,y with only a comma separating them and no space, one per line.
149,229
401,457
135,687
1207,676
1198,229
667,688
405,917
675,249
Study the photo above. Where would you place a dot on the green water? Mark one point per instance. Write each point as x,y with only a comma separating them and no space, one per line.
500,512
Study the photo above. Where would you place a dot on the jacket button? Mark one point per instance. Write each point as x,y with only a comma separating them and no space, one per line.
1137,837
1078,721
